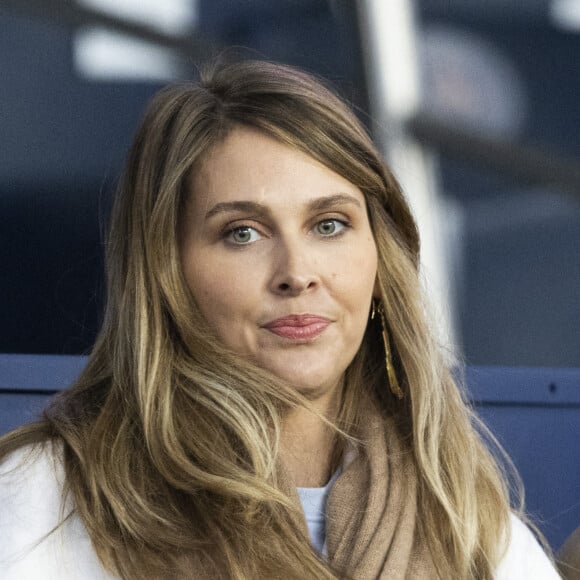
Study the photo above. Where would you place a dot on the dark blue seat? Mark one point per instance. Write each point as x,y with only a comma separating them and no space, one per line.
535,414
27,381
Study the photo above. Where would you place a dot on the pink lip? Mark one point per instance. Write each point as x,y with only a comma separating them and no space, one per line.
298,326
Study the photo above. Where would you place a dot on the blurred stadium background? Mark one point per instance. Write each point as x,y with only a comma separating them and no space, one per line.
72,92
476,105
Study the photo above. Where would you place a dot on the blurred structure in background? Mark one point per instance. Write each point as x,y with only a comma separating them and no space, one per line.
463,97
390,41
100,53
509,72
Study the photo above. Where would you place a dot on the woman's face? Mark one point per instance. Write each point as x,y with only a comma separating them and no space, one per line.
279,255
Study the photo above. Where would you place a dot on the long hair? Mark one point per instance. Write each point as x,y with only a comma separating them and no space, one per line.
170,441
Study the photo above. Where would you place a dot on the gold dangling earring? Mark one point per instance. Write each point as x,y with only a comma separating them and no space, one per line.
391,375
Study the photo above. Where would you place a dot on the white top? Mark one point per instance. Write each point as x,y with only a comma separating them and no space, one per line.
314,505
30,507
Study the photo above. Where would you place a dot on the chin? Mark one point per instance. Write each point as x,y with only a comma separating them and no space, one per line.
310,386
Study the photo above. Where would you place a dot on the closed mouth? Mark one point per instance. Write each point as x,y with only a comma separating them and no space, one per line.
301,327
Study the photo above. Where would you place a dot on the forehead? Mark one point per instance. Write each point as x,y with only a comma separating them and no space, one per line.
250,165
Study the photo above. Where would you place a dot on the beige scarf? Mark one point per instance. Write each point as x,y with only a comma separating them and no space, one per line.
372,529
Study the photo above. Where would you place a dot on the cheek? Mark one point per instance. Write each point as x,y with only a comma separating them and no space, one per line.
355,283
208,286
363,268
217,291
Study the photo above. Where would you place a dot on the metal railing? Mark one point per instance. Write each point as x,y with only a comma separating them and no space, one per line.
194,48
530,165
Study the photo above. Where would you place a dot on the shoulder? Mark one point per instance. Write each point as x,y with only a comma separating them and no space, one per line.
31,481
39,530
524,559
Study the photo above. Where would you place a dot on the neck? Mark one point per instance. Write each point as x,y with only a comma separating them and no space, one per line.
308,446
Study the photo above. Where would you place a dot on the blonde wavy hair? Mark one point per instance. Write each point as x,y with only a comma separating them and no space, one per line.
170,442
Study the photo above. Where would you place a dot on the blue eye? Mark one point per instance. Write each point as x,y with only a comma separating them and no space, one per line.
330,228
242,235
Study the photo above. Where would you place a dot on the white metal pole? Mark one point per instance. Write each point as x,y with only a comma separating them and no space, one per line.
388,33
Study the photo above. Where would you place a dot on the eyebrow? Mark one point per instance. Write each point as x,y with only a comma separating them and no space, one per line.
319,204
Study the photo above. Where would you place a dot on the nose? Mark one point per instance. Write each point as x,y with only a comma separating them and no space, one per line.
295,269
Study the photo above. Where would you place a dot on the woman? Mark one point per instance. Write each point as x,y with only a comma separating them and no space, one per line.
265,398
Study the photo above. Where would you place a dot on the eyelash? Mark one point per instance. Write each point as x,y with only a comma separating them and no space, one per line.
344,225
229,233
